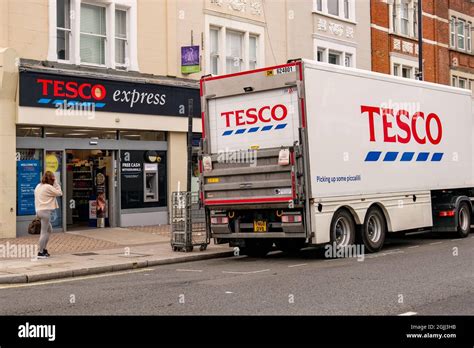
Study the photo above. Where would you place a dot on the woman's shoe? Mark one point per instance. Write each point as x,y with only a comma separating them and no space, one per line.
43,255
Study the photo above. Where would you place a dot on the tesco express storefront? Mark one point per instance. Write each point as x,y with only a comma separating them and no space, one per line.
117,144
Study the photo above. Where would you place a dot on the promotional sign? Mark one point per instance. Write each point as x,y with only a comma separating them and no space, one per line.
264,120
133,166
190,59
55,91
28,177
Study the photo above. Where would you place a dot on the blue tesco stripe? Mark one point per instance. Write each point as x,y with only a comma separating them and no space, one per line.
407,156
437,157
99,105
373,156
44,101
240,131
281,126
422,156
390,156
254,129
266,128
226,133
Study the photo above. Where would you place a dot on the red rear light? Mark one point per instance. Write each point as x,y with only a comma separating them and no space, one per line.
447,213
291,218
219,220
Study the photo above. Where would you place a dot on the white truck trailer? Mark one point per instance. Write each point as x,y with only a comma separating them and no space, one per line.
309,153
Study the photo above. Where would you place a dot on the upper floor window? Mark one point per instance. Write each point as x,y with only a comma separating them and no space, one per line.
94,32
232,46
344,9
121,42
460,34
63,29
404,17
335,54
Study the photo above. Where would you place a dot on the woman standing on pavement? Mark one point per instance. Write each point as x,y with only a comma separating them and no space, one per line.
45,202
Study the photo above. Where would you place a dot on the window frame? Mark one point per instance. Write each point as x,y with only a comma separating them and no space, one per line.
223,25
103,36
461,23
67,31
126,39
396,18
346,9
131,50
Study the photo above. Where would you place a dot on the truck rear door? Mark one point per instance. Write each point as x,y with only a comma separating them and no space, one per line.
248,119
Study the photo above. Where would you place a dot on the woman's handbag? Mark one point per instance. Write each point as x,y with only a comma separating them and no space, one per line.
35,226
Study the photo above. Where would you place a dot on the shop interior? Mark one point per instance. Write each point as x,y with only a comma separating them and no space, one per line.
88,188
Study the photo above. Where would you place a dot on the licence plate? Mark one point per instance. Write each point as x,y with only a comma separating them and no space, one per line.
260,226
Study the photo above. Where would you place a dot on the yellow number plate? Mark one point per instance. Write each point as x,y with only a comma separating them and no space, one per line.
213,180
260,226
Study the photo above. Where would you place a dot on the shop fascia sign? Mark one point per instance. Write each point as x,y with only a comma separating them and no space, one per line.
56,91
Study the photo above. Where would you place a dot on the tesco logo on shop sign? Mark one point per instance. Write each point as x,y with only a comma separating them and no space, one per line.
72,89
251,116
401,127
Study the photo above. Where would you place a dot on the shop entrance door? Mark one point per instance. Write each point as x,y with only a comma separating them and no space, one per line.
90,188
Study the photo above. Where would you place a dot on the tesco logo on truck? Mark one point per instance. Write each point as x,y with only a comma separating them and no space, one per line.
401,127
251,116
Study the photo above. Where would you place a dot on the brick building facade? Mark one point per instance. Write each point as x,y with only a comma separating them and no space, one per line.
447,40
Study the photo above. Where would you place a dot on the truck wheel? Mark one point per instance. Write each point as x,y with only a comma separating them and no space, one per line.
464,220
374,230
342,229
256,248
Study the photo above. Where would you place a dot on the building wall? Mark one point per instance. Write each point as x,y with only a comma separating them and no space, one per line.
440,60
8,85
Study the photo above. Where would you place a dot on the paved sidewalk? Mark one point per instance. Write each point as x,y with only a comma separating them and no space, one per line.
87,252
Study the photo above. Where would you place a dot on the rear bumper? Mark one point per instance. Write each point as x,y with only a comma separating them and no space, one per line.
245,235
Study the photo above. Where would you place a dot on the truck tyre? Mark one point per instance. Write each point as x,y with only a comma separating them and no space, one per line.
257,248
343,229
374,230
464,220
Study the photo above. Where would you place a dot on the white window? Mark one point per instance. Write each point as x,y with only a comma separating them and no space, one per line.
334,58
347,9
232,46
253,52
404,67
121,41
405,20
319,5
333,7
95,32
321,55
348,60
407,72
453,32
468,37
462,83
396,69
461,34
334,53
63,24
214,50
344,9
234,51
454,81
404,17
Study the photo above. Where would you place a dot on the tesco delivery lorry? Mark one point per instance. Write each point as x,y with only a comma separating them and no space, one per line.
309,153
